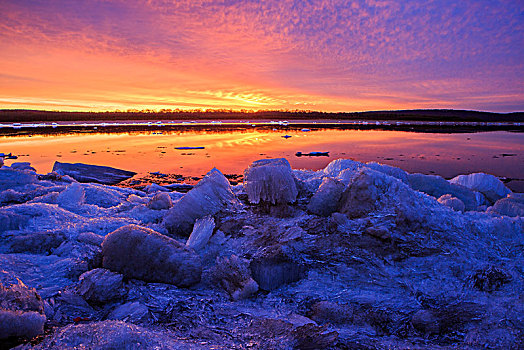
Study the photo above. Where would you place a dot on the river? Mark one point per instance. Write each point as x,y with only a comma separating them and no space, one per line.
231,147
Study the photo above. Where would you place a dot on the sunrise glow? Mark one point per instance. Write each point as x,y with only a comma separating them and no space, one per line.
318,55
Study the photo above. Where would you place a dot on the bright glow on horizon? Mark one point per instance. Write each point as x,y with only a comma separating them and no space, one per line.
319,55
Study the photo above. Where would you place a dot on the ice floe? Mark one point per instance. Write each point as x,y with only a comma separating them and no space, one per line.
351,254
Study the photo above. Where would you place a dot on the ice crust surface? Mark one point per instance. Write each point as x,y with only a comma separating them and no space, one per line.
369,256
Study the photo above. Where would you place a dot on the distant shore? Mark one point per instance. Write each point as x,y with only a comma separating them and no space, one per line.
445,115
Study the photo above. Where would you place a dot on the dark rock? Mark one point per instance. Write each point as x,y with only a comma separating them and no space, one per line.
273,267
426,322
455,316
142,253
233,275
288,333
494,338
231,226
92,173
270,328
379,232
330,312
318,226
278,211
184,188
489,278
447,318
54,176
313,337
36,243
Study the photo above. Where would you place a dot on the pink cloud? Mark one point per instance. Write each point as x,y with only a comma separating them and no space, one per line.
274,54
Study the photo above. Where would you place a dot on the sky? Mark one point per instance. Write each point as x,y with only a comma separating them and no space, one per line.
325,55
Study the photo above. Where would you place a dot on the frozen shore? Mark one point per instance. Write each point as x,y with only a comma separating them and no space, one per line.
354,256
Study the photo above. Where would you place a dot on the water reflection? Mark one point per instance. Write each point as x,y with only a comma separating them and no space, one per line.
232,149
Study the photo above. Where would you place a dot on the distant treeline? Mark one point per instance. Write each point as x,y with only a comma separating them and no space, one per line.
239,128
22,115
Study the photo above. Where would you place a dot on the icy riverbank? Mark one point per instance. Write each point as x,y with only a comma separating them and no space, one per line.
352,256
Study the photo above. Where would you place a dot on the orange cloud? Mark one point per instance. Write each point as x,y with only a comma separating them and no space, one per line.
289,54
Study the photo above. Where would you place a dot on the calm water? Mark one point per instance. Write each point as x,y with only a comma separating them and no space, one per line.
232,149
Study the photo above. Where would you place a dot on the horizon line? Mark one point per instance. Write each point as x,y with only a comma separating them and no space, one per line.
244,111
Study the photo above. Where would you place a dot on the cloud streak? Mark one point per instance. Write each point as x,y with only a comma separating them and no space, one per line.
319,54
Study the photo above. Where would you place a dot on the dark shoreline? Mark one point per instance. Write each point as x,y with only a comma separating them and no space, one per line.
438,115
